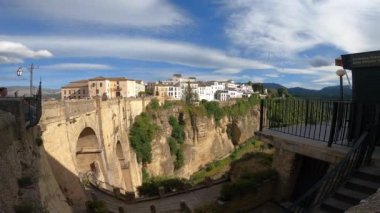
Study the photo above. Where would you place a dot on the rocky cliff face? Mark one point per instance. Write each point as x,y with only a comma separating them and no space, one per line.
27,182
205,141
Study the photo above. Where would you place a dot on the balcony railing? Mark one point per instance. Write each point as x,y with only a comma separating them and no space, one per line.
325,121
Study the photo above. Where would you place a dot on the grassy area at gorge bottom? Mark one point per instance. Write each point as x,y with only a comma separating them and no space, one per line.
213,170
252,182
218,168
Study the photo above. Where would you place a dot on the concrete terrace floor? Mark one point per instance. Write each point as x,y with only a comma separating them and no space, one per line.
303,146
168,204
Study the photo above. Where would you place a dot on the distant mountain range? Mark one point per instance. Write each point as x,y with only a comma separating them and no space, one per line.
326,92
24,90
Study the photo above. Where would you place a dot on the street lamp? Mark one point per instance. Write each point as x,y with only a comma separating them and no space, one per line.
19,73
341,73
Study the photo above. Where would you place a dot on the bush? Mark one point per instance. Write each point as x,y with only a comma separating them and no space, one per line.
96,206
141,135
25,181
39,141
263,158
213,165
247,183
180,159
145,175
177,138
168,104
241,107
213,109
154,104
173,145
151,187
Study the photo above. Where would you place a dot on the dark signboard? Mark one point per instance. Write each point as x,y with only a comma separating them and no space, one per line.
361,60
365,76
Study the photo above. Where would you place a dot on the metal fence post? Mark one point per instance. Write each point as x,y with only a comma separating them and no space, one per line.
333,124
261,114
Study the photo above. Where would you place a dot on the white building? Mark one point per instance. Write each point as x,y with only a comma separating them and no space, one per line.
205,92
174,92
140,87
222,95
234,94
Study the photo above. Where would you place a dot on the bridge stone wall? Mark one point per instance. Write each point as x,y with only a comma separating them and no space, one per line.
63,122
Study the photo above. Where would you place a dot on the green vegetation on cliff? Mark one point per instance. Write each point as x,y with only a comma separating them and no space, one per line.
145,126
176,140
141,136
239,109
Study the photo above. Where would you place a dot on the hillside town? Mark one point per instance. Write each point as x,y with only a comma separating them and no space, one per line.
171,89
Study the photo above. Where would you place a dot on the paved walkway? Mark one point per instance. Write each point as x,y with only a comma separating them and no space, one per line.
169,204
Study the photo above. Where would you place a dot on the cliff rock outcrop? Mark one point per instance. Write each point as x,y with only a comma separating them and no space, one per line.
205,140
27,182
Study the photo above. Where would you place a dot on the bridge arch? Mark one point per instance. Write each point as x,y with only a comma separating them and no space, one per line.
88,153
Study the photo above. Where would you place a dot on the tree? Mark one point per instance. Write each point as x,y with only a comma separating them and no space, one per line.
282,92
190,95
258,87
141,136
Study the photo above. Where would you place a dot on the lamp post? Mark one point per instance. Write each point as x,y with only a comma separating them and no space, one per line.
341,73
19,73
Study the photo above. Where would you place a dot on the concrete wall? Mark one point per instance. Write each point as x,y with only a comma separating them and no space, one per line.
62,124
286,162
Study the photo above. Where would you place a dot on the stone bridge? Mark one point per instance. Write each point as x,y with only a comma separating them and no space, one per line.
91,135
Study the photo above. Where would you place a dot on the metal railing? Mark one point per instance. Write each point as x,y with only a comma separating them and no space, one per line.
356,157
321,120
32,110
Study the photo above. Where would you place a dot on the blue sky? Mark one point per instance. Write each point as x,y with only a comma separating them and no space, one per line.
293,42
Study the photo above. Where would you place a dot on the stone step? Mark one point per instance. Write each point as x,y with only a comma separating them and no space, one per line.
335,206
361,185
369,173
350,196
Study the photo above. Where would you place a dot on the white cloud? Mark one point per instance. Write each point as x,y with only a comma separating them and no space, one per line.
141,49
273,75
13,52
228,71
285,28
76,66
122,13
297,71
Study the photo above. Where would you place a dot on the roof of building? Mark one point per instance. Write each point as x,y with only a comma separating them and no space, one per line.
101,78
77,84
117,79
